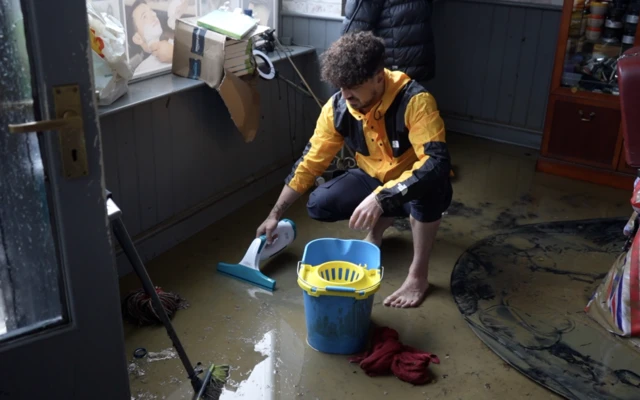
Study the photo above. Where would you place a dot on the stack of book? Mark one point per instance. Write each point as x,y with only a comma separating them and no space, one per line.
233,25
240,30
238,57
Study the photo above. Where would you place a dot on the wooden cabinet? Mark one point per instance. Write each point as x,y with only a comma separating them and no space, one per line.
582,132
588,133
624,167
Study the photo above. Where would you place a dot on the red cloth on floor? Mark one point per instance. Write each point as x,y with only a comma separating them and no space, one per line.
388,355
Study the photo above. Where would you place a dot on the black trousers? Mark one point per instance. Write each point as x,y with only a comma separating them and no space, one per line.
337,199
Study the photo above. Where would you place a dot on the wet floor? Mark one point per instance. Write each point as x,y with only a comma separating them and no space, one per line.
262,334
524,293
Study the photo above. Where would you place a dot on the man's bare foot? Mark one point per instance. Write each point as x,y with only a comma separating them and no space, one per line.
411,293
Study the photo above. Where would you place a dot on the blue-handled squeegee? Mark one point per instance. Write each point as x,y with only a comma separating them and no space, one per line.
248,269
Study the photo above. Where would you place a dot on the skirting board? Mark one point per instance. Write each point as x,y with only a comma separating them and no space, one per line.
493,131
165,239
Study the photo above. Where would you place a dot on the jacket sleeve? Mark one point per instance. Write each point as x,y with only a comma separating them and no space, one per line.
427,137
361,15
318,154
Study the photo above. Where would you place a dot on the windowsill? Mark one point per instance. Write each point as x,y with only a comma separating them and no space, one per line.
160,86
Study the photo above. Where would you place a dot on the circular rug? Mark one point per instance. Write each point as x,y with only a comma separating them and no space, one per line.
523,292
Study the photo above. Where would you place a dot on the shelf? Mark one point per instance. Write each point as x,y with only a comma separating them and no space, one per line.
582,134
593,38
164,85
599,99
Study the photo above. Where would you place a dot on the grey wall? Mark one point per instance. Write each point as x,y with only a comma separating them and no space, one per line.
318,33
493,65
177,164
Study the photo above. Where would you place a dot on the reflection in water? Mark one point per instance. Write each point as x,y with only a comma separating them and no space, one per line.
260,384
252,291
278,375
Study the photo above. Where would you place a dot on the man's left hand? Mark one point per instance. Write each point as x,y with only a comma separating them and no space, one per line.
366,214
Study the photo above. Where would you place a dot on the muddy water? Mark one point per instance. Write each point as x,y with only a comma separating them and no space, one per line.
262,334
524,292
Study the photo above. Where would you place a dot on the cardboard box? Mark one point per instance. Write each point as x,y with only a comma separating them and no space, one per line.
199,53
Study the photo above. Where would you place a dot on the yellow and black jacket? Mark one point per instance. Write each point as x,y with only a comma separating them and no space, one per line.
400,142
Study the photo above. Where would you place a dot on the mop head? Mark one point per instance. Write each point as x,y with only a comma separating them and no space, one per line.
219,376
137,307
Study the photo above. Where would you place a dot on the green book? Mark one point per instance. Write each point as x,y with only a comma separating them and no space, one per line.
233,25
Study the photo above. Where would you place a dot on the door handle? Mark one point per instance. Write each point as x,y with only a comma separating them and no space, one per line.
70,120
69,124
586,119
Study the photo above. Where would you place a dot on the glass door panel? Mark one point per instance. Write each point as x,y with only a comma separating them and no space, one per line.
30,275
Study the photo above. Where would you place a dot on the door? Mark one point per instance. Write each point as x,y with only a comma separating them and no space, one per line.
61,331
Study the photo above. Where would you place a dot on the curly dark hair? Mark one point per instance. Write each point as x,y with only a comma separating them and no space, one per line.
352,60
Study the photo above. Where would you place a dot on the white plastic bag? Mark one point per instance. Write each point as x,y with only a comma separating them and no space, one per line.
109,85
110,66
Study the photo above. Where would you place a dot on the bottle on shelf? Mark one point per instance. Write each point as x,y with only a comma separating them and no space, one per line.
613,24
630,25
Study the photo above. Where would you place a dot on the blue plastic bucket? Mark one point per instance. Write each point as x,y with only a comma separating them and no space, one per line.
358,252
339,324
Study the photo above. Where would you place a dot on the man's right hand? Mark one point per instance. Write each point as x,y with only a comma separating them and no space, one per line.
267,228
287,197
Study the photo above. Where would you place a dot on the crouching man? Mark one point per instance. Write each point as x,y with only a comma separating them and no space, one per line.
394,127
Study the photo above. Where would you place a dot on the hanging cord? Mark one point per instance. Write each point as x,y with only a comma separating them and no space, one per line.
298,72
341,162
292,134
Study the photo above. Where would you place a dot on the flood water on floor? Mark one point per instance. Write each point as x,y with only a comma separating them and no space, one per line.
524,294
262,334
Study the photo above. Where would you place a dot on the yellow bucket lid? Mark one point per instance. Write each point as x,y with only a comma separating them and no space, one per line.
339,278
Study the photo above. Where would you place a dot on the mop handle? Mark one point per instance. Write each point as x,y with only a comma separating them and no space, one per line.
120,231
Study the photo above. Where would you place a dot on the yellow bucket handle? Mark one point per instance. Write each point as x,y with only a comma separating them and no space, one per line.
360,292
